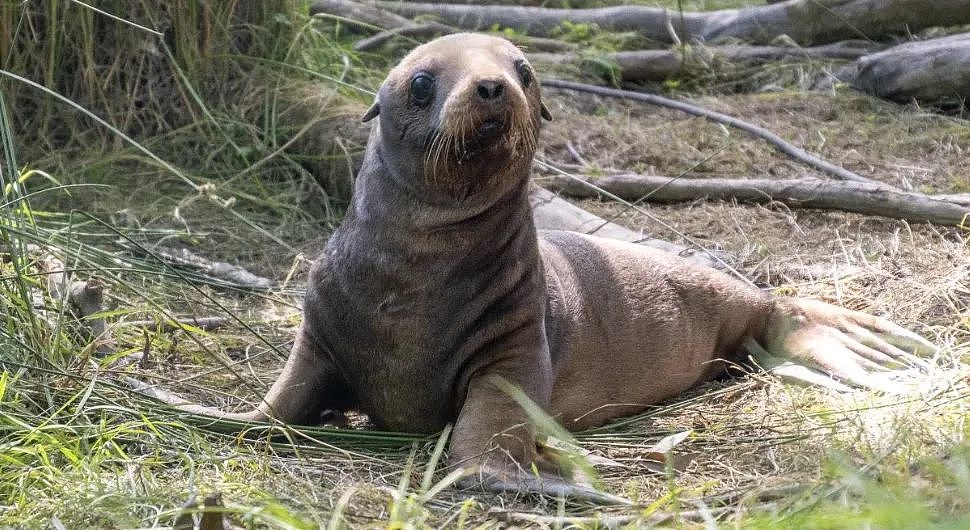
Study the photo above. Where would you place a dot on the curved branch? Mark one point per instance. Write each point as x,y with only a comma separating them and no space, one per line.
776,141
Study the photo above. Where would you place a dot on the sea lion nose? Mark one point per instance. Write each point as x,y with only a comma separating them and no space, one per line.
490,90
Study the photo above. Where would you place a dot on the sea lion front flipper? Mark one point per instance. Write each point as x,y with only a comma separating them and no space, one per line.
494,436
859,349
308,388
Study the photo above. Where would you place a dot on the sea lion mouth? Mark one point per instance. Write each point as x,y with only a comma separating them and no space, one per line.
489,130
488,133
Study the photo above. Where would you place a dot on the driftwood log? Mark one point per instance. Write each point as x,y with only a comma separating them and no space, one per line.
807,22
553,213
858,197
936,70
655,65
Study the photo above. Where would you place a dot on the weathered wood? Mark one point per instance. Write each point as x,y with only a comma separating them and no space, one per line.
931,71
956,198
550,212
656,65
805,21
362,14
857,197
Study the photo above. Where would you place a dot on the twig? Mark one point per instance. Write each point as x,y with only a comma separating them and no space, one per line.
781,145
610,521
575,154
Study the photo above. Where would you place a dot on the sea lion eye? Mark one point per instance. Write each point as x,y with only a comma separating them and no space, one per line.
525,72
422,88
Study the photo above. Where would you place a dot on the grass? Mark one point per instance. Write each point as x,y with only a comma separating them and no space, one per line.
227,165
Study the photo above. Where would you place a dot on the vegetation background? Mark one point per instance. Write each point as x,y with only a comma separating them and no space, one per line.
132,130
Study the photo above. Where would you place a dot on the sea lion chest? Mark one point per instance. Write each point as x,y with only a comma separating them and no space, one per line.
395,314
383,333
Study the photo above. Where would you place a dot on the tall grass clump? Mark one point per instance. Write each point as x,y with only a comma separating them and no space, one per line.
231,104
123,60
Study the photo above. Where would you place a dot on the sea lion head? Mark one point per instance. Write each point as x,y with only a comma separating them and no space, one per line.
459,115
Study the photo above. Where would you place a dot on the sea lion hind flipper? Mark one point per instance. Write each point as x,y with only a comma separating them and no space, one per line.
856,348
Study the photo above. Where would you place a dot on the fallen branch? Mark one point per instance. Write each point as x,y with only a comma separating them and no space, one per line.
856,197
655,65
776,141
932,71
805,21
553,213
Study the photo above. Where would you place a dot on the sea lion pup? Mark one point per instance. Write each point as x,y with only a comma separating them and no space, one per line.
436,288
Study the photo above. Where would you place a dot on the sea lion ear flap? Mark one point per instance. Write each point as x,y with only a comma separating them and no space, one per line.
371,113
544,111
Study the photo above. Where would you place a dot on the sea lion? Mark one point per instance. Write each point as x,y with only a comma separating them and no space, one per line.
436,294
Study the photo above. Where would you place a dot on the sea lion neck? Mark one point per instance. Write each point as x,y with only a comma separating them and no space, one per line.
380,200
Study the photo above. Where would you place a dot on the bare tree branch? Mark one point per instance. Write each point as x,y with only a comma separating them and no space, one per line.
857,197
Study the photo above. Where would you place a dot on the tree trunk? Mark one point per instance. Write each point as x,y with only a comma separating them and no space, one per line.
932,71
805,21
366,15
857,197
657,65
